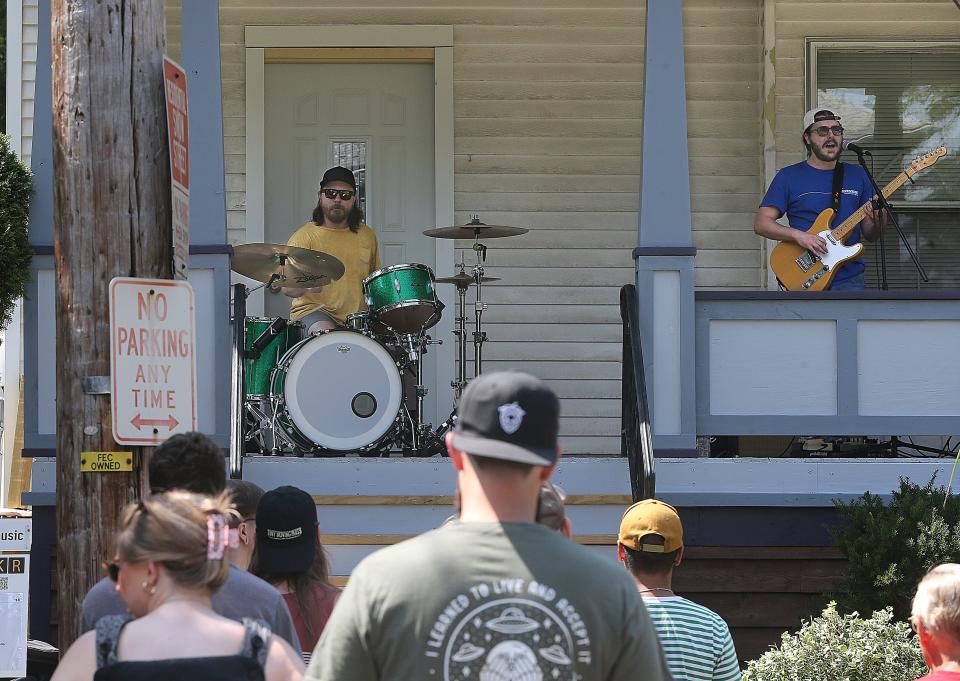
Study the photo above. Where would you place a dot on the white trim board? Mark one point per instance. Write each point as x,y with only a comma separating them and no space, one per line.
348,36
14,100
746,482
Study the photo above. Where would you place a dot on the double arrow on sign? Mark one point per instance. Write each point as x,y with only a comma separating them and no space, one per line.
170,422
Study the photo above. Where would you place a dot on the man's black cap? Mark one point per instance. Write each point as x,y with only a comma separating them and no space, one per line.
338,174
508,415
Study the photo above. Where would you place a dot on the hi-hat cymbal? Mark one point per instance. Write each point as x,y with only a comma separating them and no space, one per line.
297,267
475,230
463,279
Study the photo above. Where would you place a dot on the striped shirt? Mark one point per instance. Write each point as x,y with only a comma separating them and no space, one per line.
696,641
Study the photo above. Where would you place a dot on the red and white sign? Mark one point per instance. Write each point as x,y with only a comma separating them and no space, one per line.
178,134
152,360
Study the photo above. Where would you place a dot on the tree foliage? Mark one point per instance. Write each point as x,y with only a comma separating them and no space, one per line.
16,188
890,547
843,648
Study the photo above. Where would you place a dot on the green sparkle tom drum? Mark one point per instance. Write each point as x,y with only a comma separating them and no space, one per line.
403,297
256,371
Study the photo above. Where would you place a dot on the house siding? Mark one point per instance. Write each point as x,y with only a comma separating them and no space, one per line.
28,47
547,116
797,20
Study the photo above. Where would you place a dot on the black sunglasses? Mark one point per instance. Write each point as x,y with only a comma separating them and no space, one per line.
345,194
823,130
112,570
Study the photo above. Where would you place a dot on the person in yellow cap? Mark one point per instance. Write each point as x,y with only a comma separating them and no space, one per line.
696,641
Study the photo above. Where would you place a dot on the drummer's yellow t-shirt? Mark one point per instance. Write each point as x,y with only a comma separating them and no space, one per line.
360,256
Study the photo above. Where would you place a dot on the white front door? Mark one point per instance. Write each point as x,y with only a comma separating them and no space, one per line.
378,120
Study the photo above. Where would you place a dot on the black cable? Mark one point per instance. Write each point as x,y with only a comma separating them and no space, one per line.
789,445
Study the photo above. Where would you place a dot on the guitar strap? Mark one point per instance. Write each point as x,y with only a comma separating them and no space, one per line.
837,187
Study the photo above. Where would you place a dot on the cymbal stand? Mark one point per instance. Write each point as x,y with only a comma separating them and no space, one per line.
460,382
478,307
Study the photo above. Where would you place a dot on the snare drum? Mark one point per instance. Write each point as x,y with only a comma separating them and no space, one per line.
403,297
360,321
339,391
256,372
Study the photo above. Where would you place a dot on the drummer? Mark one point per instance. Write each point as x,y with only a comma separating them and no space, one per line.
337,229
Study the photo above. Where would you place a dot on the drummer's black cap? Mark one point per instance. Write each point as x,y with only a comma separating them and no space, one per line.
338,174
508,415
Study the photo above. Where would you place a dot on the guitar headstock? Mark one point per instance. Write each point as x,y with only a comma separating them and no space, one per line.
927,160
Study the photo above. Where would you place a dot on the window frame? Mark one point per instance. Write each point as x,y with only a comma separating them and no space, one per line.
813,45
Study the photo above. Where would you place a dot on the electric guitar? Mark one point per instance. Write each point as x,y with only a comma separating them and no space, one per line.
798,269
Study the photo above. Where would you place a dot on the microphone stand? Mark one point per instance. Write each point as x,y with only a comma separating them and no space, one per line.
885,205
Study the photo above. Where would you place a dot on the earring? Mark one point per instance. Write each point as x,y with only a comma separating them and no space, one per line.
149,588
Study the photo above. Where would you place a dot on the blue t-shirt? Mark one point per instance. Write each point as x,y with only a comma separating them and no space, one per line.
803,192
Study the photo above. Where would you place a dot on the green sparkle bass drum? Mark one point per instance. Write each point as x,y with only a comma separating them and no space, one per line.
403,297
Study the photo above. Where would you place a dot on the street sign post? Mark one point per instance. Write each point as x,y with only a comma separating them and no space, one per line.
152,360
178,134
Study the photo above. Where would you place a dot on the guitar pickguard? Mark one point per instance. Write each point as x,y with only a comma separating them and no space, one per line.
819,266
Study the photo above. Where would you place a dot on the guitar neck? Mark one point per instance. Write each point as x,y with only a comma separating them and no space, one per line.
848,225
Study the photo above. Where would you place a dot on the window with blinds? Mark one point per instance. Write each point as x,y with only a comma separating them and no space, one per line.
901,100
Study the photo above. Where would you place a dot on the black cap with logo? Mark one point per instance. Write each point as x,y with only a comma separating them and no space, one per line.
286,530
508,415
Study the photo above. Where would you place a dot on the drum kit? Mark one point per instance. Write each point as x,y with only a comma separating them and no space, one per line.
355,390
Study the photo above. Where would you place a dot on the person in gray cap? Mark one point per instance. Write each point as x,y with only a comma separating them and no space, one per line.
336,229
495,596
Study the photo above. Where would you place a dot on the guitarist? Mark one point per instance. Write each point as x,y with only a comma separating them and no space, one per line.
803,190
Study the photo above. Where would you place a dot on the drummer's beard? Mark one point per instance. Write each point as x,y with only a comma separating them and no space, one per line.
334,214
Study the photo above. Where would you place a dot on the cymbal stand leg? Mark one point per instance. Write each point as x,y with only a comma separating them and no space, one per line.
478,335
461,334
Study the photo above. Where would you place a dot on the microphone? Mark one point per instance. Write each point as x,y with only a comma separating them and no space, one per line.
855,148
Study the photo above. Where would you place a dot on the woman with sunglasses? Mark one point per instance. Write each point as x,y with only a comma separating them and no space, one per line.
171,557
337,229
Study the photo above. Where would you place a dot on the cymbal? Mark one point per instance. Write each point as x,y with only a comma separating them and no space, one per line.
462,280
298,267
475,230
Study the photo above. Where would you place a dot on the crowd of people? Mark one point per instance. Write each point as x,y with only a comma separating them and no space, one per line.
214,579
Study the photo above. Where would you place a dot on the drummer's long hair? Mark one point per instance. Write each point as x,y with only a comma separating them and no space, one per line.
353,219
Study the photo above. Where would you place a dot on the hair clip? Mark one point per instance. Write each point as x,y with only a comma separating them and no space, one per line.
217,538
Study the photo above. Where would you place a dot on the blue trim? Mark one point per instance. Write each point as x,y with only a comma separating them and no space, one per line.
786,527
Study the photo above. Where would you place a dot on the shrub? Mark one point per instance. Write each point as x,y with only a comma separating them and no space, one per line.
843,648
890,547
16,188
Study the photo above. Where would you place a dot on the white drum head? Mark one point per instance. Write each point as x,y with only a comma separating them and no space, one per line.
342,390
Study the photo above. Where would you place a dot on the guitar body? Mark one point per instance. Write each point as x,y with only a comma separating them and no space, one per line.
801,270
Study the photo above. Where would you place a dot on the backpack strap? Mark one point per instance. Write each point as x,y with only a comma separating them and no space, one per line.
256,640
837,186
108,635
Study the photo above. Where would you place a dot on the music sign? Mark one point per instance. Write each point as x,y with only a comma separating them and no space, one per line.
152,360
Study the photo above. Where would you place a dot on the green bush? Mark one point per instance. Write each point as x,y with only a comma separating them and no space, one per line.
16,188
890,547
843,648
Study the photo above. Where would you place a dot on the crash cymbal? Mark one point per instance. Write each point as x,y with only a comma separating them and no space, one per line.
475,230
298,267
464,279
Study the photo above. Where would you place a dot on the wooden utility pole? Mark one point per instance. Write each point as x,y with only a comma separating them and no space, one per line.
111,218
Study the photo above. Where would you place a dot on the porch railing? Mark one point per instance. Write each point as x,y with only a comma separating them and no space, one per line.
636,439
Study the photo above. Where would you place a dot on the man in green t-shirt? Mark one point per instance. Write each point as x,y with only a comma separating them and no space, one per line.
494,596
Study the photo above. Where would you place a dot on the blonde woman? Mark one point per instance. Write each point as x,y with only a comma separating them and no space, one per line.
171,558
